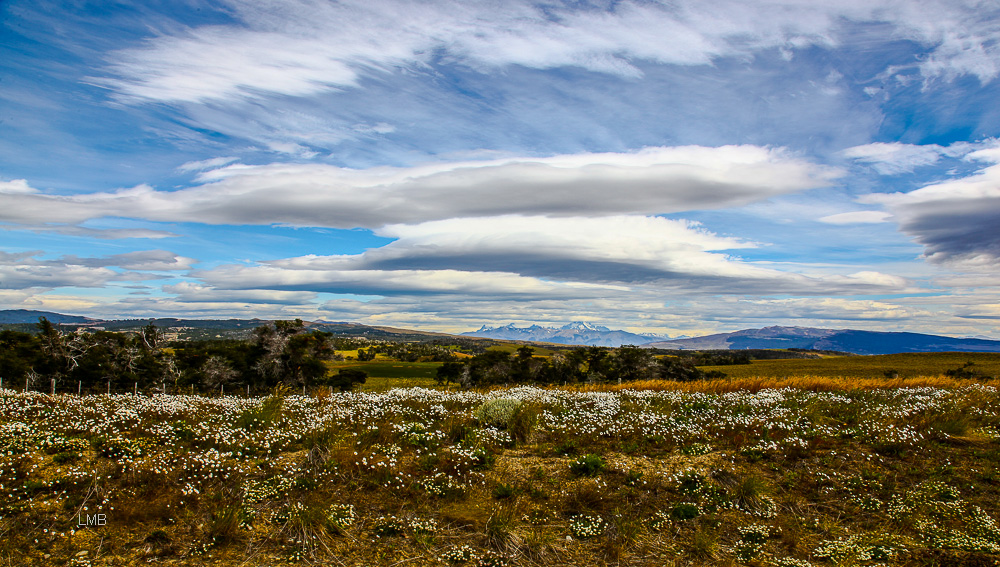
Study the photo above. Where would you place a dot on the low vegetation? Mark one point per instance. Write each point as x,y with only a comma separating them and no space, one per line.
513,476
314,449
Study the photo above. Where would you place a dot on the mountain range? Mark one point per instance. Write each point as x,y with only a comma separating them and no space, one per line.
575,333
845,340
22,316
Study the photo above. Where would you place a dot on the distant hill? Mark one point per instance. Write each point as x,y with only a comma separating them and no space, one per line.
576,333
847,340
196,329
24,316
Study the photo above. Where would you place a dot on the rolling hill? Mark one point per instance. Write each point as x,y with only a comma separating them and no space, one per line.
576,333
847,340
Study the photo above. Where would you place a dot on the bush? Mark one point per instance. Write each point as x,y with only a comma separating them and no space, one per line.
346,378
501,491
522,422
566,448
685,511
588,465
61,458
497,413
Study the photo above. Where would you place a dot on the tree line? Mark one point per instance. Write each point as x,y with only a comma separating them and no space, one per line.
279,353
574,366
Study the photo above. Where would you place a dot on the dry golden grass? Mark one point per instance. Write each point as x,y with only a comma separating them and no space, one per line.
756,384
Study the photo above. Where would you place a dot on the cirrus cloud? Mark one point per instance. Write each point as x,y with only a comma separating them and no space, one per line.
300,48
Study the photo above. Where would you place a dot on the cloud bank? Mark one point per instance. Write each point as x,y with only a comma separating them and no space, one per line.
956,221
649,181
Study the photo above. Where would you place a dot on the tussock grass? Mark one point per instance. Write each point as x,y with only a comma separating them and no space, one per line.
819,469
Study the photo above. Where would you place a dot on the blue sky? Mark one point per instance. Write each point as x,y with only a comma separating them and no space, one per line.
681,168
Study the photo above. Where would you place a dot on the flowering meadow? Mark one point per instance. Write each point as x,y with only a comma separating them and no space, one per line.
522,476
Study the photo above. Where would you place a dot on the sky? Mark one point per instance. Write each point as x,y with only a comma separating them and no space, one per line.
682,167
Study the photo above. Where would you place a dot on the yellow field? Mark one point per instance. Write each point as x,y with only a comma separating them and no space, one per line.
910,365
809,383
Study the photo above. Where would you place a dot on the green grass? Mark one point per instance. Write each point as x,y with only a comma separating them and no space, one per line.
908,365
391,368
387,374
512,348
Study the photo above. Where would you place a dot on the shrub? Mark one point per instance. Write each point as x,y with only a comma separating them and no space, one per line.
61,458
685,511
346,378
566,448
501,491
588,465
633,478
522,422
483,459
497,413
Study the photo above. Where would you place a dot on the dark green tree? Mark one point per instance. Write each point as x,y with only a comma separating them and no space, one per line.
345,379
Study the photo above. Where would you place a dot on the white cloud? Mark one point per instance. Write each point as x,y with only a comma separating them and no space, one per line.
28,275
87,232
145,260
955,220
895,158
380,128
300,48
25,270
204,164
857,217
16,187
516,256
827,308
395,282
648,181
189,292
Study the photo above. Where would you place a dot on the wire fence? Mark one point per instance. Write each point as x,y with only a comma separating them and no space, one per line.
69,387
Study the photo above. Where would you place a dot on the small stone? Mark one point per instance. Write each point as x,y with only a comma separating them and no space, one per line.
569,538
82,553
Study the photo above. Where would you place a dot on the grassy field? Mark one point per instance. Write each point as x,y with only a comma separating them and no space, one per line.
691,474
907,365
512,348
849,372
386,374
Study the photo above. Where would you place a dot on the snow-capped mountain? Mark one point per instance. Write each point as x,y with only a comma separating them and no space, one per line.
575,333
